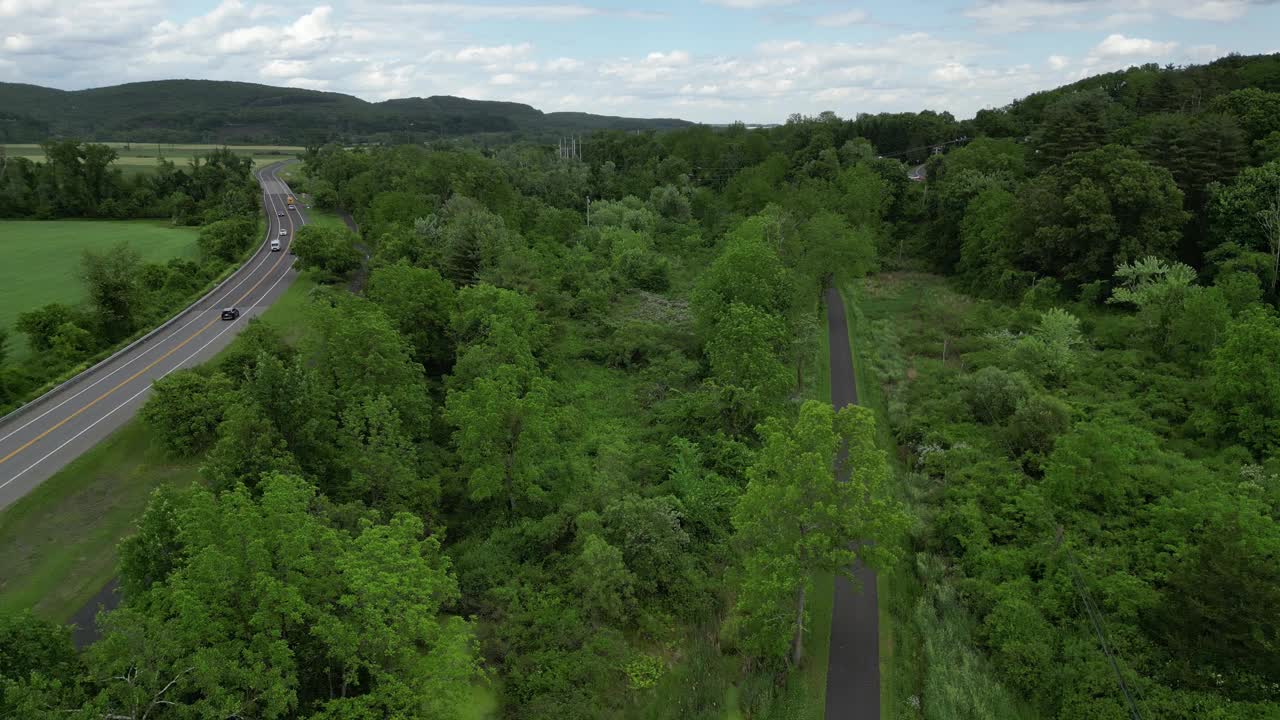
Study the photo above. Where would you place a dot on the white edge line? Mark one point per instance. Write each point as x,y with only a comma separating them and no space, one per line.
139,356
21,409
113,410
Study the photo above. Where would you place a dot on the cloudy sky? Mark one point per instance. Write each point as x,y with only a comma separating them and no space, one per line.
705,60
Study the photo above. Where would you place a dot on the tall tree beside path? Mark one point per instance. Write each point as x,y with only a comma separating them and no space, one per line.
797,518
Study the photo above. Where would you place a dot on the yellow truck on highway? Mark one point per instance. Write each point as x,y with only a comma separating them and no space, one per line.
290,202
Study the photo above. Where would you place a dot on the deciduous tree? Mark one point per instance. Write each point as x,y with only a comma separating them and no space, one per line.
799,515
1245,382
185,409
1096,211
112,280
504,435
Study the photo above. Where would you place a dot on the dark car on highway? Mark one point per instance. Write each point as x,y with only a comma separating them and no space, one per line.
230,313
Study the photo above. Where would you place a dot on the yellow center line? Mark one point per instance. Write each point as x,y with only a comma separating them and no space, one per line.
104,395
157,361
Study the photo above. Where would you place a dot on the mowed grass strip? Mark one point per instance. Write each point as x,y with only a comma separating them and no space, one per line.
58,544
59,541
40,259
326,219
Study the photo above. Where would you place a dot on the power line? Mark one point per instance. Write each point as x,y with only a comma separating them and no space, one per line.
931,146
1095,618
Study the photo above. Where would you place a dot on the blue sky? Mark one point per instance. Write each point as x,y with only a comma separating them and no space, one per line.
705,60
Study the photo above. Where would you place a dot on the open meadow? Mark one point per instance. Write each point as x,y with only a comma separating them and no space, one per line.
143,157
40,259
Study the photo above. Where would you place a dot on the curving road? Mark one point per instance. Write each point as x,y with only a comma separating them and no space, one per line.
43,436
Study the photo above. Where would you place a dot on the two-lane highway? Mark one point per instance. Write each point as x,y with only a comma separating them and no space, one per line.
50,432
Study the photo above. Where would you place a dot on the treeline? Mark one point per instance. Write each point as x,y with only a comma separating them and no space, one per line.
125,295
537,451
1080,199
80,180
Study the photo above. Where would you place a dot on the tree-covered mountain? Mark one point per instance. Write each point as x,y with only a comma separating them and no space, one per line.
235,112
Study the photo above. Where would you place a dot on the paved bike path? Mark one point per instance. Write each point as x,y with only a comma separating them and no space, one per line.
853,669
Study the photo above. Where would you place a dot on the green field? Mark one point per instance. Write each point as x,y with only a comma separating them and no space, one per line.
325,219
142,157
40,259
60,540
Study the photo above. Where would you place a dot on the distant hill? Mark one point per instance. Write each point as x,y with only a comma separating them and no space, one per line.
235,112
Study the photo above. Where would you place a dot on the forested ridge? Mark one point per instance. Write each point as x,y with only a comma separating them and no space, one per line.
209,111
585,466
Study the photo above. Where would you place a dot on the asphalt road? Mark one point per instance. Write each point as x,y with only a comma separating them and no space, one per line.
50,432
853,668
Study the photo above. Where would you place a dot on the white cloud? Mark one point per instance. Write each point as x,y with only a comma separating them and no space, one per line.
843,19
476,11
1007,15
1119,46
675,57
1059,62
751,4
17,43
15,8
562,64
247,39
1205,53
830,94
952,73
490,55
1215,10
167,33
1015,15
285,68
307,83
504,79
308,34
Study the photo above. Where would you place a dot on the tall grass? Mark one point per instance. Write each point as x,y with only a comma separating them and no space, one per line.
958,682
931,665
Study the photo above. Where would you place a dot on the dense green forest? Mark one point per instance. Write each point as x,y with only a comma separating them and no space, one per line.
125,294
578,459
209,111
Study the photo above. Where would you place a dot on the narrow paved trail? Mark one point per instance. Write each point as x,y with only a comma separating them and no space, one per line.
853,671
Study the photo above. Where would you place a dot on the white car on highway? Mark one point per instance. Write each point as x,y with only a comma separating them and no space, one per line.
275,246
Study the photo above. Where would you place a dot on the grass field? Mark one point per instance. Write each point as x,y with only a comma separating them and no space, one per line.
142,157
325,218
40,259
60,540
